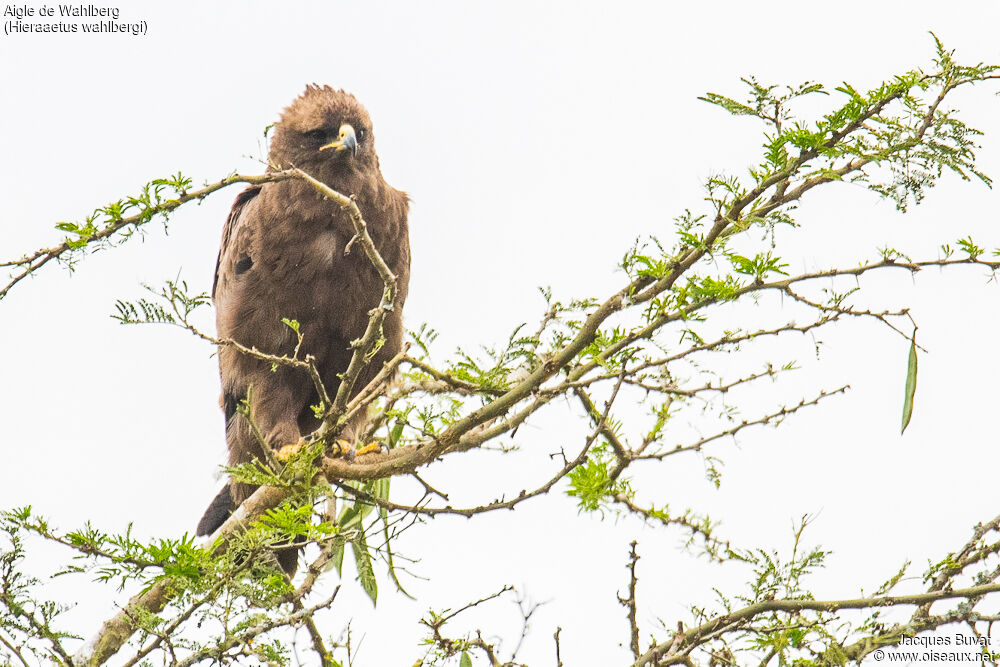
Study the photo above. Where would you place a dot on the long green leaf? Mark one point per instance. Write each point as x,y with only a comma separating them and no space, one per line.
363,561
384,515
338,559
911,383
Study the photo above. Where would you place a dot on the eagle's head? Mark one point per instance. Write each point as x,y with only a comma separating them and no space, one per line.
324,132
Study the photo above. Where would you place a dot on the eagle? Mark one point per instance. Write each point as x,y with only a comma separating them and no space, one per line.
286,253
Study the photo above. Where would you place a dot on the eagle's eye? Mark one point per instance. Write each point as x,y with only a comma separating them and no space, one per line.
361,134
316,135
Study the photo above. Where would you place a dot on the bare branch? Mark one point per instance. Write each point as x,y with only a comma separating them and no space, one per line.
630,602
772,417
658,654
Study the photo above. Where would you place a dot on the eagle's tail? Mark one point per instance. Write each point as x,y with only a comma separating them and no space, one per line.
221,508
217,513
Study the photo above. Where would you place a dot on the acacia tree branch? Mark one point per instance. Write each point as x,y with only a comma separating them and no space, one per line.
857,651
450,646
974,551
670,388
658,655
41,628
326,554
768,418
623,454
446,378
116,631
14,650
702,528
181,306
162,635
406,459
31,263
247,636
630,603
666,317
376,388
580,459
318,645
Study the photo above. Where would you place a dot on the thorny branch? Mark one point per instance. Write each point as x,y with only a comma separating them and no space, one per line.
630,603
364,346
28,264
677,649
170,628
246,637
769,617
769,418
450,647
497,504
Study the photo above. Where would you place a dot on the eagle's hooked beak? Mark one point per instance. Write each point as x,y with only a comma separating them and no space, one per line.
346,141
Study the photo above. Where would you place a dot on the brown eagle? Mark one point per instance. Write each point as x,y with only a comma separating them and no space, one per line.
284,255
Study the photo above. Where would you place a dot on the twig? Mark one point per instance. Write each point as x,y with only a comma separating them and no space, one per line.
704,529
441,620
363,346
43,256
777,415
116,631
176,623
581,458
698,634
14,650
630,602
255,631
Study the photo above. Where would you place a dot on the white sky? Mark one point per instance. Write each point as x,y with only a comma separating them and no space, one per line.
536,141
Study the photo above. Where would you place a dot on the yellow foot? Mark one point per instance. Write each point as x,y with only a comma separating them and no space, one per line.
370,448
343,448
288,451
346,449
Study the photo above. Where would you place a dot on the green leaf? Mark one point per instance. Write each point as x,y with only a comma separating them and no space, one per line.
384,515
338,559
466,660
396,433
911,383
354,514
364,563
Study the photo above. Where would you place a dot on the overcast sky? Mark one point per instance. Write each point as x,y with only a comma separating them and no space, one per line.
536,140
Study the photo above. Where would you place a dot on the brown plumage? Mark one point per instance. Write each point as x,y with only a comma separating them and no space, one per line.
282,256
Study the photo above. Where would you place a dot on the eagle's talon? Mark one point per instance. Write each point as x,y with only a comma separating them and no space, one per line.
347,450
343,448
370,448
288,451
